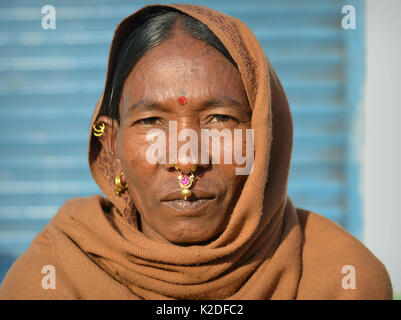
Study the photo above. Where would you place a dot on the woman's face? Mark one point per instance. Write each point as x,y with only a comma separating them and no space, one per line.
216,99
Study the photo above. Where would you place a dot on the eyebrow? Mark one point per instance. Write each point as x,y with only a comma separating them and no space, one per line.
221,102
148,105
225,101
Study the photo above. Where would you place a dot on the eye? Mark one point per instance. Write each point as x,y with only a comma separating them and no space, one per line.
149,121
218,118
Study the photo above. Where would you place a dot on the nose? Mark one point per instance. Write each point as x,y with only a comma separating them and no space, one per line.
177,160
185,168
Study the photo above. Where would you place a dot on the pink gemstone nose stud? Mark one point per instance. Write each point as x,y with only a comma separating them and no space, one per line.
186,181
185,184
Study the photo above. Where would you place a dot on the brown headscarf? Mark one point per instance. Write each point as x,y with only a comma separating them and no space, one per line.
269,250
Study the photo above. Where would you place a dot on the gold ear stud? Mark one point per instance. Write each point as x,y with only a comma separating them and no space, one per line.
120,187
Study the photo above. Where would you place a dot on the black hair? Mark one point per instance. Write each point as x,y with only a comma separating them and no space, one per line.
153,28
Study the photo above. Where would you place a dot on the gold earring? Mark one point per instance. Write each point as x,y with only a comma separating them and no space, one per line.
120,187
99,131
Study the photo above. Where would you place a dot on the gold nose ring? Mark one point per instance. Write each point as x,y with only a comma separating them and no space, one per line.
186,181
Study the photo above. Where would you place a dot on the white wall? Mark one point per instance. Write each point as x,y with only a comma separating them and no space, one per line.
382,156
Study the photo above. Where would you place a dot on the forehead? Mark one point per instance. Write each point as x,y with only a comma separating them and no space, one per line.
183,65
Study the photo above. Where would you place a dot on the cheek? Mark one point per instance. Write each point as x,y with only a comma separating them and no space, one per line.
232,180
132,154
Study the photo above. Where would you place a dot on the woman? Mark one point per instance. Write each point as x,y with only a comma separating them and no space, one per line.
174,226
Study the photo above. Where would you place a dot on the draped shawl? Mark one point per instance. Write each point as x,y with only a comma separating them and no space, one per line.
269,249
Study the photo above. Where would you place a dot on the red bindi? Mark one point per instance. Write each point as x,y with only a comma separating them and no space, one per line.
182,100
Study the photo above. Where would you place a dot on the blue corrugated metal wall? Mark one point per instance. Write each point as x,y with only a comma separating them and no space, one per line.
51,79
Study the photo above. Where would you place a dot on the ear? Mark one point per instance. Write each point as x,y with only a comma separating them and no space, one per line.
108,139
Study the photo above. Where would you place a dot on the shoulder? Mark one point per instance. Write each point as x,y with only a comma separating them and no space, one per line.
79,209
336,265
24,279
31,275
82,202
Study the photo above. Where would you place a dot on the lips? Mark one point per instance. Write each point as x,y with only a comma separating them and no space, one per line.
188,205
197,194
193,205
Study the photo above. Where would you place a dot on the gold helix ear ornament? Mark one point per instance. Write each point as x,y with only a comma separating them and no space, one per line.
186,181
99,130
120,187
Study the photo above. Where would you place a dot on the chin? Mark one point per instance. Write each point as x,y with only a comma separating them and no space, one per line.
191,237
